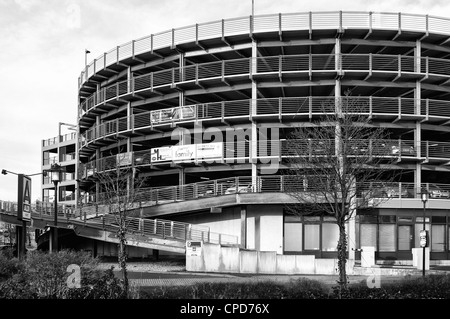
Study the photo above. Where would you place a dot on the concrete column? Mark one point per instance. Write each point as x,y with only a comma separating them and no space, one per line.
254,137
129,80
129,116
337,53
181,176
418,129
243,242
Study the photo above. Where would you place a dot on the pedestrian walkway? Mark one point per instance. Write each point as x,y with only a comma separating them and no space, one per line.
178,279
174,274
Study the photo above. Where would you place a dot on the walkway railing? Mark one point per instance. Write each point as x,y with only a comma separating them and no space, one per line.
277,150
308,21
276,107
275,65
272,184
162,228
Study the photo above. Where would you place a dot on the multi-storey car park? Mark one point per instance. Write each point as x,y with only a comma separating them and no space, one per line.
167,105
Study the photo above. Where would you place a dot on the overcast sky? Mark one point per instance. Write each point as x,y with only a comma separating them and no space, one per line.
42,55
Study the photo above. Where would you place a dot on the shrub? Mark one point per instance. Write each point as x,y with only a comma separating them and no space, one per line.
99,285
301,288
9,265
429,287
44,276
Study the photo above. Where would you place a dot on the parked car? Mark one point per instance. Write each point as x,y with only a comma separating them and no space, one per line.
392,192
206,193
143,159
403,150
240,189
437,192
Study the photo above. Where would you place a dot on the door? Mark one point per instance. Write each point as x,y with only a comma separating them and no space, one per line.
405,242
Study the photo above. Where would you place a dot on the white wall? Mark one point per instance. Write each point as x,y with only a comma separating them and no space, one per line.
227,222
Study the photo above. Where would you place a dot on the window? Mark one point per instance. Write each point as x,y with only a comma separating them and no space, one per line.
368,235
437,233
312,239
437,237
292,237
330,237
387,233
387,237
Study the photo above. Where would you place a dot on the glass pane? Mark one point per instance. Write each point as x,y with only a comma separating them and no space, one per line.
437,219
404,237
417,229
292,218
387,237
330,237
293,237
368,219
420,219
405,219
387,219
368,235
437,237
311,218
312,237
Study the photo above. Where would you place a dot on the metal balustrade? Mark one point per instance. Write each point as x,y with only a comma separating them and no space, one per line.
240,152
277,184
147,227
207,189
396,64
307,21
275,107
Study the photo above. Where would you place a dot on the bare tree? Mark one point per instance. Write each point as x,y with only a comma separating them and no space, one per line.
335,164
120,188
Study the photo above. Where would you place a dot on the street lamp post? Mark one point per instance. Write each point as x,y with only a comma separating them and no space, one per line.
56,177
424,197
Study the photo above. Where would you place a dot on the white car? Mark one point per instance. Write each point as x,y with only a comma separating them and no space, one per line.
437,192
241,189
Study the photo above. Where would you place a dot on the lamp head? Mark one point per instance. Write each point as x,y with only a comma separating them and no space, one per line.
424,195
4,172
56,170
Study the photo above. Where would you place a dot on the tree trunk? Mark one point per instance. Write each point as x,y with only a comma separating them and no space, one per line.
123,261
342,257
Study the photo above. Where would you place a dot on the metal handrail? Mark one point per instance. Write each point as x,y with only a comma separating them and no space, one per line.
307,21
221,187
277,150
148,227
299,106
267,65
263,184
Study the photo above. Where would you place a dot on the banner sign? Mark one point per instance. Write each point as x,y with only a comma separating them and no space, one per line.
183,152
209,150
124,159
187,152
161,154
24,198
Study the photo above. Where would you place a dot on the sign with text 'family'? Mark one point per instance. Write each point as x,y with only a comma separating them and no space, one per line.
187,152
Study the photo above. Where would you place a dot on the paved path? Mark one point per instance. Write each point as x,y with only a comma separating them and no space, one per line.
174,274
177,279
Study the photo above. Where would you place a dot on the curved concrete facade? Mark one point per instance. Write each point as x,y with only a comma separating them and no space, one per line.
199,110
